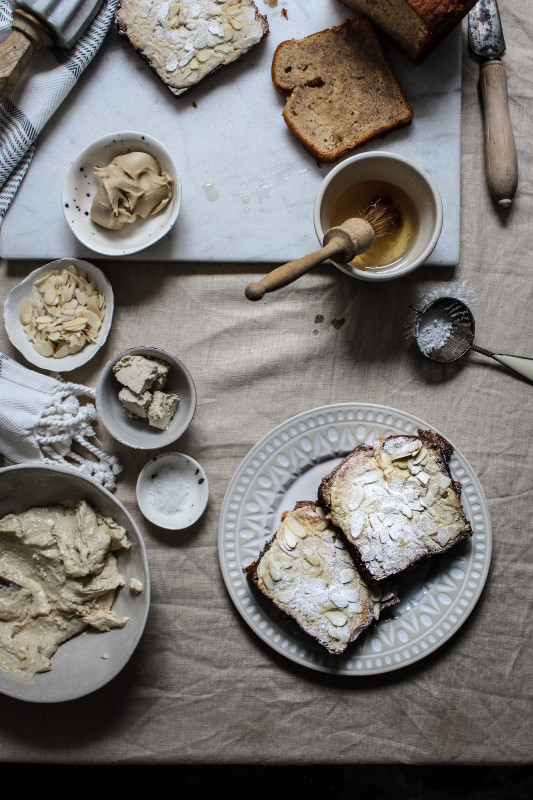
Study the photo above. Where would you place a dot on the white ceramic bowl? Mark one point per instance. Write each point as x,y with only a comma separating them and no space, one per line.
81,185
136,432
79,668
398,171
15,330
172,491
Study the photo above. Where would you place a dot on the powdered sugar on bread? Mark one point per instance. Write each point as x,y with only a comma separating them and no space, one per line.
184,41
308,572
396,502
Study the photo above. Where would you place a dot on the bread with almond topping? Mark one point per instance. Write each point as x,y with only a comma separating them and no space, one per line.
184,42
307,571
396,502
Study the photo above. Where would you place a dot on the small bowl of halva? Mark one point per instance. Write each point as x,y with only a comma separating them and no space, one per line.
145,398
122,193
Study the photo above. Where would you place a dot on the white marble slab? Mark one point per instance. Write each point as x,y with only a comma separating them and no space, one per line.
248,184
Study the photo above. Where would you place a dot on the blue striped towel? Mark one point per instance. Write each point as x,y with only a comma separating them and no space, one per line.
46,82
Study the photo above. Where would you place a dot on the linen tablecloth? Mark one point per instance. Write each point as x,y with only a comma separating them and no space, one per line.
201,687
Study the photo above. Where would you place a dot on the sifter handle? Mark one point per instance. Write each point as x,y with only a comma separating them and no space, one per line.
524,366
16,52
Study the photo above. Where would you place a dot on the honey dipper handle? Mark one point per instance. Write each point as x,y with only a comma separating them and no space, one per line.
500,149
287,273
27,36
342,243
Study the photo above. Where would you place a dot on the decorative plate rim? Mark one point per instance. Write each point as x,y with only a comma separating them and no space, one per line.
411,632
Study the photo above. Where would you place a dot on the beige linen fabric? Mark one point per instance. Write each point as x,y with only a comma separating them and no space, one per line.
202,687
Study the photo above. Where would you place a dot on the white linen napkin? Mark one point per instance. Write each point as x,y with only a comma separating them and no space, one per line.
48,79
41,418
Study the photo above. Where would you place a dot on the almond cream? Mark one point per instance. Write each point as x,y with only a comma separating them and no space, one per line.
62,560
132,186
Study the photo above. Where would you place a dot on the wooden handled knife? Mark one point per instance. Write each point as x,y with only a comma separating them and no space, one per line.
485,39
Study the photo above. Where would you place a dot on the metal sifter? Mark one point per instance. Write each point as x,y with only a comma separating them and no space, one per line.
38,24
445,332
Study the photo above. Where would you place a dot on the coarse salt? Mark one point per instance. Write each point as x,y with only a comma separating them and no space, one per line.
168,492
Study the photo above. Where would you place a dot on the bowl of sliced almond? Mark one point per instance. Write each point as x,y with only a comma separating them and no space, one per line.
59,316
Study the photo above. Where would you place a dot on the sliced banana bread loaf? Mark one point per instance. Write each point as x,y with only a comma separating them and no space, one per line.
416,26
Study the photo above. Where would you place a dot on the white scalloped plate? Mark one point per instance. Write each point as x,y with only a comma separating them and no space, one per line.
286,466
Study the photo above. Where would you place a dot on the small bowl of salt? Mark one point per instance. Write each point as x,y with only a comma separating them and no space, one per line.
172,491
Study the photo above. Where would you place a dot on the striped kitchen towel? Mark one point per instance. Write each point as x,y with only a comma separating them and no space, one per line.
46,82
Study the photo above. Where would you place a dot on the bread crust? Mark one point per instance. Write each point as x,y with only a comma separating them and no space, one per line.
436,18
340,89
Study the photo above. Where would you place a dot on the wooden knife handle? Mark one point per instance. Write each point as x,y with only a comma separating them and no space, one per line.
500,149
27,36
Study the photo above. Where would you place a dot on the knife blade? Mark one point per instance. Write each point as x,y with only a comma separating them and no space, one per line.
486,40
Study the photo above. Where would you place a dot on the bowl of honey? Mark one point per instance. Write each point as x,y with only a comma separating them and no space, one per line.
391,180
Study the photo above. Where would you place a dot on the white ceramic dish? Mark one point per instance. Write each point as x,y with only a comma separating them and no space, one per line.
79,667
136,432
286,466
398,171
187,483
15,330
81,185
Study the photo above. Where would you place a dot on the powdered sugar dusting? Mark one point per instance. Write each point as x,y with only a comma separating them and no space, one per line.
434,331
460,290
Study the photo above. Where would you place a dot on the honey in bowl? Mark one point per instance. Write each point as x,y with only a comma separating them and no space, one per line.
388,250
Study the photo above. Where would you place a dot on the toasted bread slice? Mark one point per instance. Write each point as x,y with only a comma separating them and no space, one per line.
185,42
307,571
396,502
341,89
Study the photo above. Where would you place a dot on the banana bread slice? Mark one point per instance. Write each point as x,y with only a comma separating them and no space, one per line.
307,571
341,90
396,502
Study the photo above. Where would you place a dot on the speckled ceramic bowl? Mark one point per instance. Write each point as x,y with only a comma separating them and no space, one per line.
138,433
172,491
87,661
81,185
397,171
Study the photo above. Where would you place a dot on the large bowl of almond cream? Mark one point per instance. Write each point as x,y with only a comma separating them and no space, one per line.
74,584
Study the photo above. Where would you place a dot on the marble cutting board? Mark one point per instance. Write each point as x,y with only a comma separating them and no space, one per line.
248,185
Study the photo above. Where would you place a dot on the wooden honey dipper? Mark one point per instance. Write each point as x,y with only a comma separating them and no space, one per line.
341,243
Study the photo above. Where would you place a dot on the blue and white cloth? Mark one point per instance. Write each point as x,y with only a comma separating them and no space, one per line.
46,82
